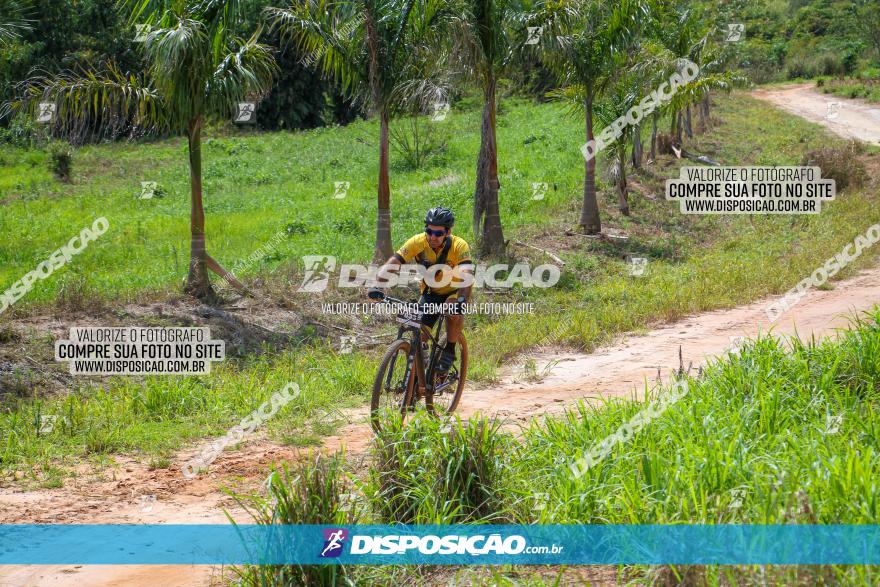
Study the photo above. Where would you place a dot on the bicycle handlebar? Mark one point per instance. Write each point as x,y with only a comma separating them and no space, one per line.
379,295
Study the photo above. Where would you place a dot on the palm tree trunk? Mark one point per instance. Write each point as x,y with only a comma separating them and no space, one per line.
590,221
687,123
487,220
383,219
654,117
637,147
197,282
622,202
678,125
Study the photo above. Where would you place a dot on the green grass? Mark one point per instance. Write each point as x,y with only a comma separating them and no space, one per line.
754,440
164,413
763,422
310,494
696,263
256,185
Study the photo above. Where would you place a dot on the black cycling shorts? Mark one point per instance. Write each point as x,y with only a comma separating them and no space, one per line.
430,297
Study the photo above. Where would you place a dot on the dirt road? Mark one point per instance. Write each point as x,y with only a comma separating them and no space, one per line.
134,494
619,370
855,119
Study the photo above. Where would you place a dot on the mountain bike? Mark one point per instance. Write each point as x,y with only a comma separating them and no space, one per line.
408,371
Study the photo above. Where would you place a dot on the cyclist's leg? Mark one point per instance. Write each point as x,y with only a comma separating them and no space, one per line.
454,322
454,326
429,320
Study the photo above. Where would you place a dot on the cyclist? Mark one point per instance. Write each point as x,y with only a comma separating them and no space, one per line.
437,246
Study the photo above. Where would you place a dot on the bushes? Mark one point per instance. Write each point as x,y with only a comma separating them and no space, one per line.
61,160
867,89
311,495
19,132
425,472
840,163
830,64
827,64
418,141
470,470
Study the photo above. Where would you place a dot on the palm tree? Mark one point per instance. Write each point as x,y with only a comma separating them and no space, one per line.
486,49
584,38
625,91
684,33
685,36
380,53
13,20
195,68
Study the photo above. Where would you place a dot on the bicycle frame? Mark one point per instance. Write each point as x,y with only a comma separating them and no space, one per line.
414,359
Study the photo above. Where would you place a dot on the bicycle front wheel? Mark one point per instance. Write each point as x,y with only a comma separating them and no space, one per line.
392,389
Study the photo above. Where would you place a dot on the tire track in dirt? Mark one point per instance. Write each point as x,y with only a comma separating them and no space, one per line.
619,370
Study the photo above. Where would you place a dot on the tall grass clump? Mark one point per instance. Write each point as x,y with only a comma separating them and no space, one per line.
840,163
311,494
399,476
431,472
472,467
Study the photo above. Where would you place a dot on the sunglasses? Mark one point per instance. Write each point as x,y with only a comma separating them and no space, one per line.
430,232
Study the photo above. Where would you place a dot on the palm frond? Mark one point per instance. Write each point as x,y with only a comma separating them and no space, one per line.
180,65
572,96
107,102
246,72
13,20
330,35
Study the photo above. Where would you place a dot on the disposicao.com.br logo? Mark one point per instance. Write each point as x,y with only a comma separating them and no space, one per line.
451,544
320,268
334,539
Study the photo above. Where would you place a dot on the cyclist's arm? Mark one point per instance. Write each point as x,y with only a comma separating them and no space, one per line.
465,292
405,254
466,266
391,267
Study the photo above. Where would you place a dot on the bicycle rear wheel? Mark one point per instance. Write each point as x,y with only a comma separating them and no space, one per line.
392,389
446,389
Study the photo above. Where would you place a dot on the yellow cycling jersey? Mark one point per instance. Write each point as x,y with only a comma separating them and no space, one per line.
417,249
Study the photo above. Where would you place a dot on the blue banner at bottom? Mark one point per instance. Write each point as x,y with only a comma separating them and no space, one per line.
163,544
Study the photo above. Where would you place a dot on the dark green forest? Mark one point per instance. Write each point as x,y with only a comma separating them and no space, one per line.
783,39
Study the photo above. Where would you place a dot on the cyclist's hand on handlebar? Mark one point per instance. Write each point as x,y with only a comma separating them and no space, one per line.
375,294
459,305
